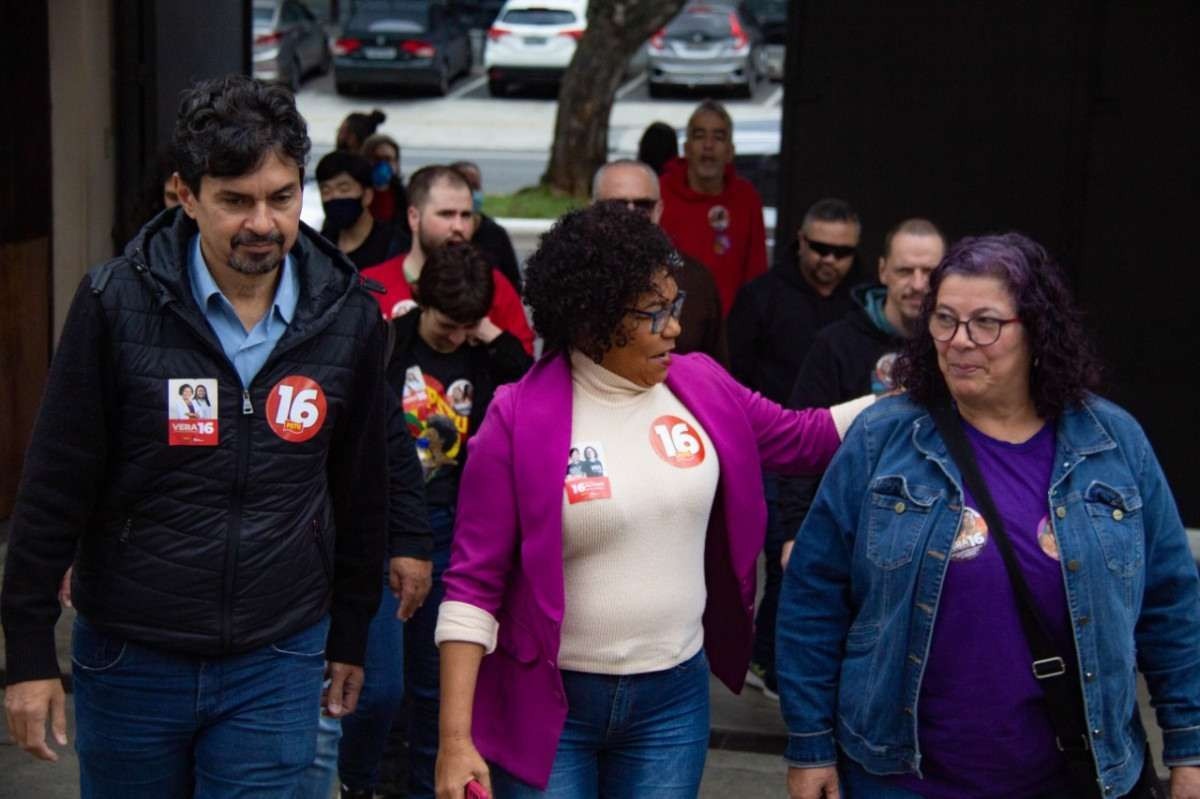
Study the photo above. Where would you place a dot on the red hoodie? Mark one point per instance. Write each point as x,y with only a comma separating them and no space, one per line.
507,312
723,231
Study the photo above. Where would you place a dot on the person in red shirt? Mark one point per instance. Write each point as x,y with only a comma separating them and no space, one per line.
439,211
710,212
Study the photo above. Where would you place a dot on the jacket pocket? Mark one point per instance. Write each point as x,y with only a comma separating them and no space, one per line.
897,515
319,541
1115,514
93,649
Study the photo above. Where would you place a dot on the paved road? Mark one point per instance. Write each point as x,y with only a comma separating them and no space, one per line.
508,137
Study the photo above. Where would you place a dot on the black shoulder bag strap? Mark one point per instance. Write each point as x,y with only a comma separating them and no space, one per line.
1060,685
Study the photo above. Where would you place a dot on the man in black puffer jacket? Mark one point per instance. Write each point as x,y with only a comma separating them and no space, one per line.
211,453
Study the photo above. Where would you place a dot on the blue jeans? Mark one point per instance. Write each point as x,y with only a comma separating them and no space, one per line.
627,737
421,665
152,723
349,749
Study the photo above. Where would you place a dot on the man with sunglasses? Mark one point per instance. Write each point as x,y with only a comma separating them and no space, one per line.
854,356
772,326
635,185
710,212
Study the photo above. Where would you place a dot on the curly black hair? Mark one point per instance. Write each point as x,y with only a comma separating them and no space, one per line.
1064,364
227,126
591,266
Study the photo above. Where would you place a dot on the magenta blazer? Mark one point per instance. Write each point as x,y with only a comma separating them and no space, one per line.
507,556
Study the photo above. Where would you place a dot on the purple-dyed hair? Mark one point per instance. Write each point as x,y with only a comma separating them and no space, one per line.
1064,365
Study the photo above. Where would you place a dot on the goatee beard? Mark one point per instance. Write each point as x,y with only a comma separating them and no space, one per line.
253,267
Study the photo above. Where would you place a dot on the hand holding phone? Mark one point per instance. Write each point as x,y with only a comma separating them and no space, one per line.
476,791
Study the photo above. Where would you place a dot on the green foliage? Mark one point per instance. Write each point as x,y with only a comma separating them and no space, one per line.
531,202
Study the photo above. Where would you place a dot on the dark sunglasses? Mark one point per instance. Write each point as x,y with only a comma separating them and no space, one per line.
642,205
836,250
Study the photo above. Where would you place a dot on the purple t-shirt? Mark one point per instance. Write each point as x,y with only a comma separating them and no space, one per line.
982,722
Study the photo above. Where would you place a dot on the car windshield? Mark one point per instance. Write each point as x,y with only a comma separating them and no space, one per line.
396,16
539,16
768,10
708,22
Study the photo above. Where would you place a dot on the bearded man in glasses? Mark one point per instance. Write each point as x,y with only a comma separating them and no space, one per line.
635,185
772,326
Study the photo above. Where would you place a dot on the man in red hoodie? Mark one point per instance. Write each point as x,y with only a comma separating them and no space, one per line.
708,211
439,211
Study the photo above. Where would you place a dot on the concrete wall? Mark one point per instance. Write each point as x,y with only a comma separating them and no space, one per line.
81,130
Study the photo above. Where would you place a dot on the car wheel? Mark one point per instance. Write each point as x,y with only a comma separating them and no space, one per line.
747,89
656,89
326,60
442,87
295,75
497,88
341,87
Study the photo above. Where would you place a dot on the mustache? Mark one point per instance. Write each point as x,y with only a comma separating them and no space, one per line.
249,239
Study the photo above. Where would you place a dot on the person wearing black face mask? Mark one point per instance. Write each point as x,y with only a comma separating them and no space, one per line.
346,193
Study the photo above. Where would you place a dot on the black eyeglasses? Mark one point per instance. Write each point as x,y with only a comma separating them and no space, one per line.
658,319
838,251
982,330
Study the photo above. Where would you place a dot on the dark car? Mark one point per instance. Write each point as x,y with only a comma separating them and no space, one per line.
401,43
708,44
289,42
478,13
772,18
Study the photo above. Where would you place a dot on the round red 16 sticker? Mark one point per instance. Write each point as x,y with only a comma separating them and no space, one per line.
296,408
676,442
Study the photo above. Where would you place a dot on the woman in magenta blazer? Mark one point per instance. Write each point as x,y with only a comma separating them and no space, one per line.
602,600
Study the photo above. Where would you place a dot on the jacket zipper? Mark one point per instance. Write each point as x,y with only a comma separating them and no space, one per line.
235,520
234,534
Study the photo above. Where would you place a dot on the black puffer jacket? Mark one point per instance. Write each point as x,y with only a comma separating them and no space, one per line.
207,550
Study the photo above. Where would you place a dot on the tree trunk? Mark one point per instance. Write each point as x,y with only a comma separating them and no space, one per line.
615,30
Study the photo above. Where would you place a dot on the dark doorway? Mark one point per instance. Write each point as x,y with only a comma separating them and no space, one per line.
1075,122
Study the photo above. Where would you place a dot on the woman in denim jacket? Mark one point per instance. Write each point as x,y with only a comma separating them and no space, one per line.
903,667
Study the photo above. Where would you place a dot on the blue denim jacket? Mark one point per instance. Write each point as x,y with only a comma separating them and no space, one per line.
861,591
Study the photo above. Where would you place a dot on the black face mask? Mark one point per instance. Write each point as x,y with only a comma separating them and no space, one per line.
342,213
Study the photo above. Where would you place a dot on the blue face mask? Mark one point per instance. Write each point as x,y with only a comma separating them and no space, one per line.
381,175
477,200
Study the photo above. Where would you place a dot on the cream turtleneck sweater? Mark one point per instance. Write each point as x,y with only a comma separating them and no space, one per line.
633,561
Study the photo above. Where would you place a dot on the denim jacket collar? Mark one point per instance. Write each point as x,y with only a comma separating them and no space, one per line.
1079,434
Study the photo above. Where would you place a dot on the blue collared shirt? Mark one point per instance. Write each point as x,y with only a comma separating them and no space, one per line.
248,351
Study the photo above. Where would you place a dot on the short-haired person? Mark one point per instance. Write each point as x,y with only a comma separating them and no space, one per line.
635,185
657,146
447,362
440,211
591,596
390,201
776,317
222,567
344,180
855,355
905,654
709,211
770,330
491,239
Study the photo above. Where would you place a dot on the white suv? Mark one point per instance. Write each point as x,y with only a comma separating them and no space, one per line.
532,42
